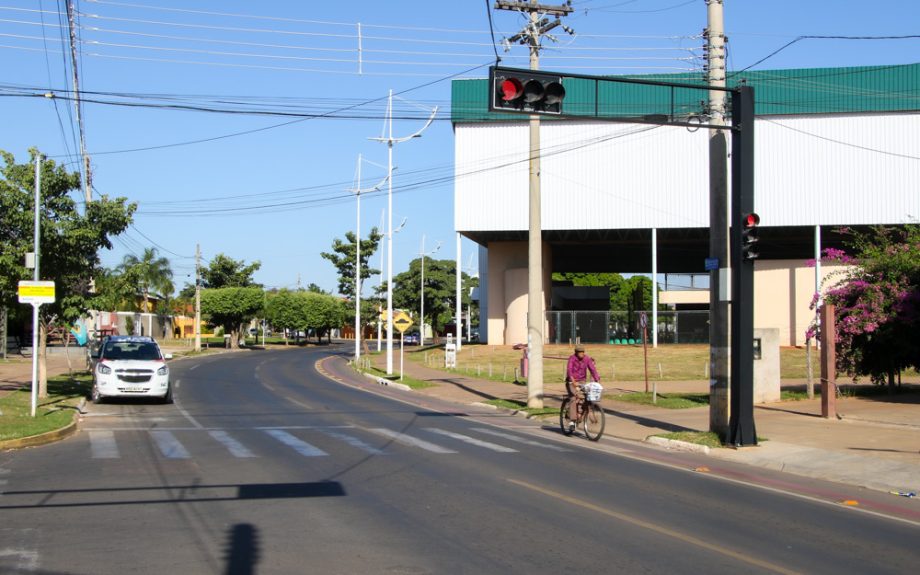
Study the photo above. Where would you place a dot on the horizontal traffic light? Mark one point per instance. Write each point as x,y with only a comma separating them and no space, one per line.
749,236
525,91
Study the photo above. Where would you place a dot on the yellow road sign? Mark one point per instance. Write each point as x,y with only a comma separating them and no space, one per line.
402,322
36,292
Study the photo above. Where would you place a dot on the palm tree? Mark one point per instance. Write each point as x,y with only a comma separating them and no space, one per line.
151,273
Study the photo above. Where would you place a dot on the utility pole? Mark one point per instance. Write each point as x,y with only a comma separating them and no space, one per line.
538,25
719,285
390,141
421,322
197,297
87,177
358,191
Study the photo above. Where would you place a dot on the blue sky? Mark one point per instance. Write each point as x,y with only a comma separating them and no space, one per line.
238,125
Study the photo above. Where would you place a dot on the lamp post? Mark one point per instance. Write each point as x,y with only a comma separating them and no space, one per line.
390,141
358,191
421,324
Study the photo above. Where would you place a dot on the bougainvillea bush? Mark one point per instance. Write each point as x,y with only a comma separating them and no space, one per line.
877,302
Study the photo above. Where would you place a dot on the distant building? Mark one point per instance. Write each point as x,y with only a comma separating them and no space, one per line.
834,147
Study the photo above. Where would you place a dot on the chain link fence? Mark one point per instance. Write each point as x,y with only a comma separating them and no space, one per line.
622,327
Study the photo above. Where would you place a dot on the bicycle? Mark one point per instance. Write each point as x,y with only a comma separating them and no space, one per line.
589,412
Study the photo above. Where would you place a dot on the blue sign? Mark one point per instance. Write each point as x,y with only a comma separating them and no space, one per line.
712,264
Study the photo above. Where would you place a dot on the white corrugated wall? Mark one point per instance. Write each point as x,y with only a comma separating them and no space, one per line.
828,170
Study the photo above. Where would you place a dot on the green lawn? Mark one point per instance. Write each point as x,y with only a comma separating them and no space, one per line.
53,412
667,401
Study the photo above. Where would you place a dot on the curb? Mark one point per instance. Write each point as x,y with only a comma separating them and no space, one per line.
387,382
677,445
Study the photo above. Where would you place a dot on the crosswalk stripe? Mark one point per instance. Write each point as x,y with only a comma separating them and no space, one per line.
232,445
410,441
102,445
354,442
302,447
473,440
518,439
169,446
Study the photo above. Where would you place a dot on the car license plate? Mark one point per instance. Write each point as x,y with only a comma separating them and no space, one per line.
135,388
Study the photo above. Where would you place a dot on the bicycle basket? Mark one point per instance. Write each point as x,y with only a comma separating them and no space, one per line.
593,391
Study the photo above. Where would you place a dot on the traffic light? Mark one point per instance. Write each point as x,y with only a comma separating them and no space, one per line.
749,236
525,91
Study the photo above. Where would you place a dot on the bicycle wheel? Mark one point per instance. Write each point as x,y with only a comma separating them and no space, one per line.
565,422
594,422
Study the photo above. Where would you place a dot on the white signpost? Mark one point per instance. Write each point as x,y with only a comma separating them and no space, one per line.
35,293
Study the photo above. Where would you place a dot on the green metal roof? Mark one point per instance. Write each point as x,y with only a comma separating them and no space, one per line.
893,88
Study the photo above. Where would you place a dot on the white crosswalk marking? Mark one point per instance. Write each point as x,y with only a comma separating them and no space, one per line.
102,445
302,447
518,439
354,442
232,445
411,441
473,440
169,446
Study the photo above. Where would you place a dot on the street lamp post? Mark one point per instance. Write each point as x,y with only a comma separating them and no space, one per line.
421,324
390,141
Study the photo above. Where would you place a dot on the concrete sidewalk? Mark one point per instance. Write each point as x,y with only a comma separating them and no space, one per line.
874,442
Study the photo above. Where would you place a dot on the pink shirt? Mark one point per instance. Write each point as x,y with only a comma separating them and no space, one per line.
577,369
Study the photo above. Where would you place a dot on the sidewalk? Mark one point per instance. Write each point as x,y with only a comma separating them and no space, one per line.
874,442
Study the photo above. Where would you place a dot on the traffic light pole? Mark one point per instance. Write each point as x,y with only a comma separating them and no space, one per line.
741,419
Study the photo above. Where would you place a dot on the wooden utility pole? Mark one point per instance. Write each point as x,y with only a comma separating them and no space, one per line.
828,362
537,26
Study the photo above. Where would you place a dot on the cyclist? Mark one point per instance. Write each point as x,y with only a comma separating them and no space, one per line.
576,372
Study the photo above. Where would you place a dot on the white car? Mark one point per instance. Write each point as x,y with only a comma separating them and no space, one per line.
131,366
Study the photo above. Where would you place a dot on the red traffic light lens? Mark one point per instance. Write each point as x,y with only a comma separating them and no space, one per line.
751,220
511,89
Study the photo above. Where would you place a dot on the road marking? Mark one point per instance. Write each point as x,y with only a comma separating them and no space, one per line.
102,445
354,442
518,439
410,441
186,414
169,446
472,440
302,447
233,446
592,506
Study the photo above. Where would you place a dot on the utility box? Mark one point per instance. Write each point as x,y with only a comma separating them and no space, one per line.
766,365
450,353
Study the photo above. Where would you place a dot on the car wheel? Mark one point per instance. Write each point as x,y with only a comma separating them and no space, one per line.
96,396
168,398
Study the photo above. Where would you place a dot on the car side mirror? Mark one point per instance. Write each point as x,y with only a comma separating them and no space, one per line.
167,356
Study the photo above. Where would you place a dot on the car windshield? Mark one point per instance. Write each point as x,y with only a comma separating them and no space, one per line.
131,350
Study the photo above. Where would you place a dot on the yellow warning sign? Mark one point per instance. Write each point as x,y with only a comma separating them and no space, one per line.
402,321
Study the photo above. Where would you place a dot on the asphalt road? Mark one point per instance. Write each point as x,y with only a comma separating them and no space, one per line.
263,465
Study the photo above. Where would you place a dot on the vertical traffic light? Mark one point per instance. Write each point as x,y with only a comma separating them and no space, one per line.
749,236
514,90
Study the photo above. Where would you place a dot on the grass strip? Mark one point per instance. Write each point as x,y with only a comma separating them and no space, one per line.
51,413
521,406
707,438
667,401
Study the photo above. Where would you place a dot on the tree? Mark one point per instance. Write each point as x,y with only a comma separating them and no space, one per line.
439,289
323,313
877,302
343,258
284,310
223,272
229,307
148,272
69,242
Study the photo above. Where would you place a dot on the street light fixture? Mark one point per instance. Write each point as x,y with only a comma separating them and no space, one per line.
421,324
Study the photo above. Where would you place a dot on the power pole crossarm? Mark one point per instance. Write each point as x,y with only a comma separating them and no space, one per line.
524,6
